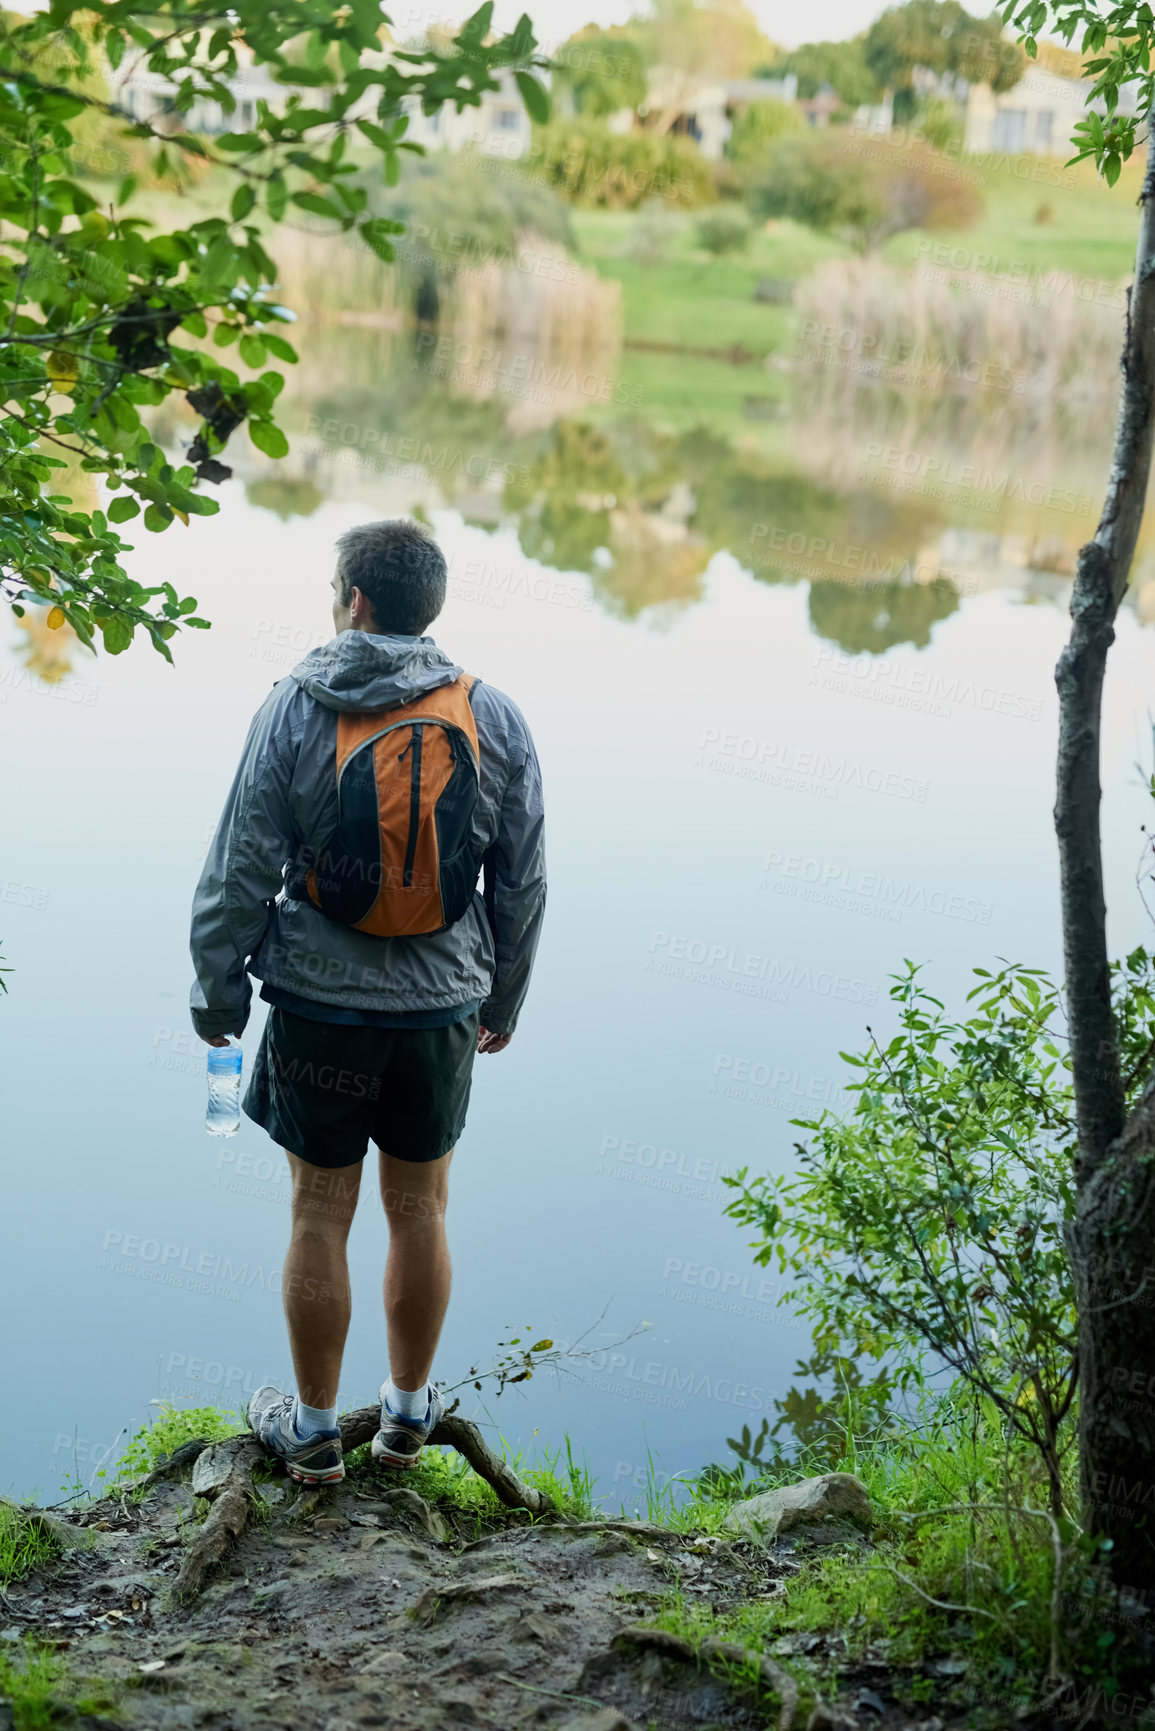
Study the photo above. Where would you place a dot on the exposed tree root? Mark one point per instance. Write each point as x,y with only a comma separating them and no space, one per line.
458,1433
223,1473
772,1676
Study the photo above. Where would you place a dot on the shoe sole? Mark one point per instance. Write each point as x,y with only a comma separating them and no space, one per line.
382,1452
303,1476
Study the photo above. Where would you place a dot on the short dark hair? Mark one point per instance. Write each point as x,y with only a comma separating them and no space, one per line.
400,570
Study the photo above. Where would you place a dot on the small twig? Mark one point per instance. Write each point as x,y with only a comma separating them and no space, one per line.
939,1604
554,1357
556,1694
1054,1674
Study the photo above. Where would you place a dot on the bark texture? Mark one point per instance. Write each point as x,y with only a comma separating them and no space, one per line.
1112,1238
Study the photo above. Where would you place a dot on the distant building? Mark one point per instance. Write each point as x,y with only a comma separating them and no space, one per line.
1038,115
148,97
706,111
498,126
819,108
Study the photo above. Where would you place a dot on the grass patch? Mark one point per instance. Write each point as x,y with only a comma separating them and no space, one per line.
171,1427
449,1484
962,1565
691,298
42,1690
24,1546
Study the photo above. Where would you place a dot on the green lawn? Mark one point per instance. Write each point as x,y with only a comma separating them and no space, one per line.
1087,227
690,298
1038,218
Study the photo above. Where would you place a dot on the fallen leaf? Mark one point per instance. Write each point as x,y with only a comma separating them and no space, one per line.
152,1665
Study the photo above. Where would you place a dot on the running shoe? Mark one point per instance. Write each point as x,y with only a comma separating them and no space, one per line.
315,1461
400,1440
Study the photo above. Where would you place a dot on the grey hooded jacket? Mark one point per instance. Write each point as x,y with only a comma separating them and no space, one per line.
285,796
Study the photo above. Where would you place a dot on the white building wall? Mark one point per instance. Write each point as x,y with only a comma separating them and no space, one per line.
1038,116
499,126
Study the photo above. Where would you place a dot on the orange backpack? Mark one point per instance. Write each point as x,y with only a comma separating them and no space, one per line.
400,863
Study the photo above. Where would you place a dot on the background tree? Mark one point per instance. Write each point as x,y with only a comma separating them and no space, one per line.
457,217
940,36
102,317
603,72
827,181
842,65
756,128
689,45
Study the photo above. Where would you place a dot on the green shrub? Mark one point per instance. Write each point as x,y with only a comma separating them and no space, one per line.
861,189
928,1222
724,229
590,165
170,1428
757,127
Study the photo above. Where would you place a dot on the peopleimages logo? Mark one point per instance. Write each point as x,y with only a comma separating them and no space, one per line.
180,1265
746,971
829,882
747,757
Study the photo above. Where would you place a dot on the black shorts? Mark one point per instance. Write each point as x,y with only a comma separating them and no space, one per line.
322,1090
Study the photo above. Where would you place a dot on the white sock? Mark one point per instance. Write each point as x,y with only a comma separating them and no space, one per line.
404,1403
309,1420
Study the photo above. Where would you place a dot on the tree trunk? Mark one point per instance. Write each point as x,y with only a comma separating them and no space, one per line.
1112,1238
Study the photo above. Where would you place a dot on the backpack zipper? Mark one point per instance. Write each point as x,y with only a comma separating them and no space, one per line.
414,746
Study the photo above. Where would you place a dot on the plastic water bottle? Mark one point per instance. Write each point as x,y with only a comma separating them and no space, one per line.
223,1117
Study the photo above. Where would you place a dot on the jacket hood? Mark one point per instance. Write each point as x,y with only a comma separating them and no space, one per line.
358,670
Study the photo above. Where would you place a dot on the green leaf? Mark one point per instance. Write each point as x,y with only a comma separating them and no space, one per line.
236,142
122,510
276,196
268,438
277,346
535,97
307,75
375,233
117,634
376,134
252,350
157,518
244,198
312,201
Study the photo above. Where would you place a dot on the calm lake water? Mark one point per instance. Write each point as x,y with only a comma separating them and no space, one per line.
769,781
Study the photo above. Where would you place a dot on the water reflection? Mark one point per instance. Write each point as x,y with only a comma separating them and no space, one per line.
890,509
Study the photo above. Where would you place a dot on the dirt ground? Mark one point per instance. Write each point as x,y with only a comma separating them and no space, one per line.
360,1606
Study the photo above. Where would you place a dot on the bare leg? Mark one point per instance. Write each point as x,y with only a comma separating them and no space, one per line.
417,1272
315,1287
